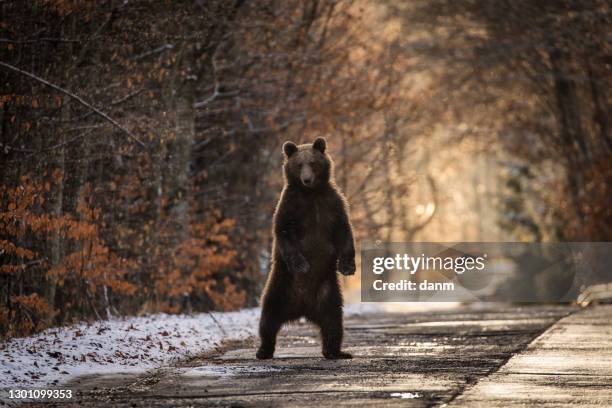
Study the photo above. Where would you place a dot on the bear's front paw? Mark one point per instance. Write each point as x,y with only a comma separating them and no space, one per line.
298,265
347,267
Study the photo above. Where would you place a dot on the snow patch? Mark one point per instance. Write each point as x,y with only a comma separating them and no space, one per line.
134,344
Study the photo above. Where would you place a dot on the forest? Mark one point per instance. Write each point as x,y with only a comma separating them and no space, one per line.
140,141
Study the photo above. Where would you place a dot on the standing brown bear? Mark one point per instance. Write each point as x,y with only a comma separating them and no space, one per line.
312,240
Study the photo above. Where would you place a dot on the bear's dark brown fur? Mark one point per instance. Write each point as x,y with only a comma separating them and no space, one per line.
312,240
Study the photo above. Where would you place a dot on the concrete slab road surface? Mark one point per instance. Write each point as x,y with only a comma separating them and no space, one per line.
529,356
569,365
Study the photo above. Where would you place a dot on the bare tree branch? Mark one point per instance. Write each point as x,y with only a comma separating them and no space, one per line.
36,40
78,99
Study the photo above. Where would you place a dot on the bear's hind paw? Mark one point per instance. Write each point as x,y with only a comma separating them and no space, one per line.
263,354
337,356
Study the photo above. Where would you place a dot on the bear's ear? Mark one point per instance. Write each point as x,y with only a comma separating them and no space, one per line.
319,144
289,148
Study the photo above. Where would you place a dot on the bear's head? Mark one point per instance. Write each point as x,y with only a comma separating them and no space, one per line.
307,165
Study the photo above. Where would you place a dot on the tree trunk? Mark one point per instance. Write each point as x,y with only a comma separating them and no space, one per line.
575,148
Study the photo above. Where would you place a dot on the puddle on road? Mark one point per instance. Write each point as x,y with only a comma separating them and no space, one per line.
483,323
405,395
228,371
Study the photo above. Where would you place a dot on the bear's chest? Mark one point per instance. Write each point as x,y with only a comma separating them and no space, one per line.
317,218
317,231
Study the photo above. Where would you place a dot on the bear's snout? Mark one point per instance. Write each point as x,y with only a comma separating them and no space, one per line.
307,176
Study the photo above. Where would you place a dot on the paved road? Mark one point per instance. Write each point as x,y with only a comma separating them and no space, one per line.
461,357
569,365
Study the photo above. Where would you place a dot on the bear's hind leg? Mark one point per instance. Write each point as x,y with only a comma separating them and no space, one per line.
331,334
269,325
329,318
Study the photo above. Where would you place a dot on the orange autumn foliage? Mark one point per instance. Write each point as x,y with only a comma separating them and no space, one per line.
90,276
194,262
31,306
25,226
